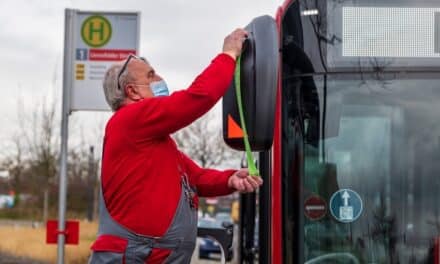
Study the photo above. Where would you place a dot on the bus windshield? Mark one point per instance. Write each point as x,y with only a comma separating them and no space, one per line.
376,136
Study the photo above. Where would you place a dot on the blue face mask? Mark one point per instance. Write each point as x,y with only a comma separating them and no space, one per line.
159,88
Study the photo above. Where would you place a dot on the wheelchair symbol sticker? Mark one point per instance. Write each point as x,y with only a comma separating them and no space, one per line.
346,205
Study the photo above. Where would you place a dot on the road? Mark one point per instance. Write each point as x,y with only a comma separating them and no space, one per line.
7,259
20,223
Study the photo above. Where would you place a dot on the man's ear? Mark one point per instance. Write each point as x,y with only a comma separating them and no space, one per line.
131,92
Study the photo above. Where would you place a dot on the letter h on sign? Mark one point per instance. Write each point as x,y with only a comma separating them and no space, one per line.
99,30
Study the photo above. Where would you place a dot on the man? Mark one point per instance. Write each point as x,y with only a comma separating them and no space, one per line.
150,189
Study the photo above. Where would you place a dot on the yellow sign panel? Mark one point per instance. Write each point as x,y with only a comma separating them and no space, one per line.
96,31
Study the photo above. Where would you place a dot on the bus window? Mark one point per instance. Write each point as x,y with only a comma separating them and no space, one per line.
385,150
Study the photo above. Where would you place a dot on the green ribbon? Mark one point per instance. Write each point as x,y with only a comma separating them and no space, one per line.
253,171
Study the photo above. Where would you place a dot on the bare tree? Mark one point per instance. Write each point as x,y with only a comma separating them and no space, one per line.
32,151
42,142
203,142
14,163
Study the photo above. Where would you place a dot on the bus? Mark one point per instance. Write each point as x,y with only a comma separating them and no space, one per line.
351,162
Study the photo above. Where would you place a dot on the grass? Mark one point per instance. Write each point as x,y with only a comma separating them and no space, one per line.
28,242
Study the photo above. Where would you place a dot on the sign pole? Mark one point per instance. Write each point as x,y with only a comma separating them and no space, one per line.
67,75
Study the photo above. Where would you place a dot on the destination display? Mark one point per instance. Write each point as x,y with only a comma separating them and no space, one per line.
381,36
390,32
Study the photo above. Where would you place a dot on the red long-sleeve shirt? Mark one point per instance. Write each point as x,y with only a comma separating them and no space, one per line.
140,176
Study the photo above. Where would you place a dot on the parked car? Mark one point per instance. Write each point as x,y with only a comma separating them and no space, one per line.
223,217
209,248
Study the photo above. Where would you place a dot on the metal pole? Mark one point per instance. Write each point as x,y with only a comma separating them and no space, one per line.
67,75
247,227
265,211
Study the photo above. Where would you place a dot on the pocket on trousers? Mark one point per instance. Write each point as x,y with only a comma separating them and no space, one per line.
108,249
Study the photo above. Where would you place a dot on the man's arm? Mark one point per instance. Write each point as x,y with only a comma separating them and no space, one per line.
209,182
160,116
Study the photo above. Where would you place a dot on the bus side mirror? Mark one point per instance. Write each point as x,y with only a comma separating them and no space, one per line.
259,77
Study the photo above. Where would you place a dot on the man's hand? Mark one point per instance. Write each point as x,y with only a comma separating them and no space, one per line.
243,182
233,43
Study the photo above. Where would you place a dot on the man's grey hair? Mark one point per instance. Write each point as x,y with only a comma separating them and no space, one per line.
113,95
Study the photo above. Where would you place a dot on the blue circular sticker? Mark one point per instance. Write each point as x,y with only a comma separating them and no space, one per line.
346,205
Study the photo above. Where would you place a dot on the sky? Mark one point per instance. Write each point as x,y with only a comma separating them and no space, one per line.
179,38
